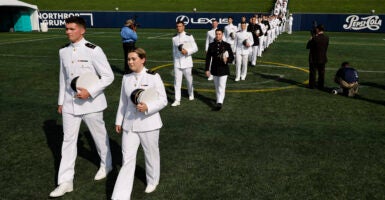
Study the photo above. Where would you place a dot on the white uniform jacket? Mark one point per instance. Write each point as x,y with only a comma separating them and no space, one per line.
75,60
210,36
231,28
128,116
180,60
239,38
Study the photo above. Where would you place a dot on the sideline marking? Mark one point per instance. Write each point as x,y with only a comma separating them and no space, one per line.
245,90
159,36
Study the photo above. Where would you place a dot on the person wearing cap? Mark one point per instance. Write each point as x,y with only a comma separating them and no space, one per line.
243,42
318,46
77,58
129,38
139,122
183,47
218,57
347,78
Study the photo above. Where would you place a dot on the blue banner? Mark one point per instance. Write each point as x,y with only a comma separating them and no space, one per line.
197,20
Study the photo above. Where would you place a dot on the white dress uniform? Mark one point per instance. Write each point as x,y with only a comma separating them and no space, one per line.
242,53
290,24
261,39
75,60
230,29
139,129
210,36
239,26
183,63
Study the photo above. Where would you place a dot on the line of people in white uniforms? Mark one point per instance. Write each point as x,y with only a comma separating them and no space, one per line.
184,46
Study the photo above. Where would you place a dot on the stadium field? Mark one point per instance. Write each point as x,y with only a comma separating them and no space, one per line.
273,139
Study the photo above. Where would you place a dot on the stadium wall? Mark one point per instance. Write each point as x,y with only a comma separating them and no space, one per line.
165,20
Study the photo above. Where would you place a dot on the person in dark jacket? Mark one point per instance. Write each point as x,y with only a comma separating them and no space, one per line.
218,57
318,46
347,78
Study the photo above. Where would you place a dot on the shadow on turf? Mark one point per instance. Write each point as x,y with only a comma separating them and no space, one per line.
54,135
360,97
208,101
279,79
370,84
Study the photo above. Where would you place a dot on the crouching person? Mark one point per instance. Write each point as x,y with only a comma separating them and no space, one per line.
347,78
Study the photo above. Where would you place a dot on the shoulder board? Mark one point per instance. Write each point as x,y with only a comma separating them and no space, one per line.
189,34
89,45
175,34
239,31
64,46
151,72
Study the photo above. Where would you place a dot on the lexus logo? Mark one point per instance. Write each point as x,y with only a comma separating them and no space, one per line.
183,18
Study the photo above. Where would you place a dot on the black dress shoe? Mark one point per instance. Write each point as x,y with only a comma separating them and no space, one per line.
218,107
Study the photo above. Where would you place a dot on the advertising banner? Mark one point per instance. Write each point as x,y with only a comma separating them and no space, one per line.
342,22
197,20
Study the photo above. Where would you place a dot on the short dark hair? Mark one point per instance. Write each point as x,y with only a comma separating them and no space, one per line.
345,64
77,20
219,29
321,27
230,17
179,22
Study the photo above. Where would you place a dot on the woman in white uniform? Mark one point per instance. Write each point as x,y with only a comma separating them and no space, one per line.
140,123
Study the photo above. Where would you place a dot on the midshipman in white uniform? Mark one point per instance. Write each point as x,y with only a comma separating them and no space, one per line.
140,122
183,46
77,58
243,42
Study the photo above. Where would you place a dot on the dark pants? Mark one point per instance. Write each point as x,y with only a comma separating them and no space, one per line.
313,68
127,47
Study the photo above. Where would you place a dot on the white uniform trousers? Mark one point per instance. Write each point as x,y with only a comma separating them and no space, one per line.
179,73
130,144
260,46
220,87
71,126
241,66
289,31
253,55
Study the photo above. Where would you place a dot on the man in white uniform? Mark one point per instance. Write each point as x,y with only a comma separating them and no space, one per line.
230,31
183,46
261,38
87,104
290,24
256,32
243,42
